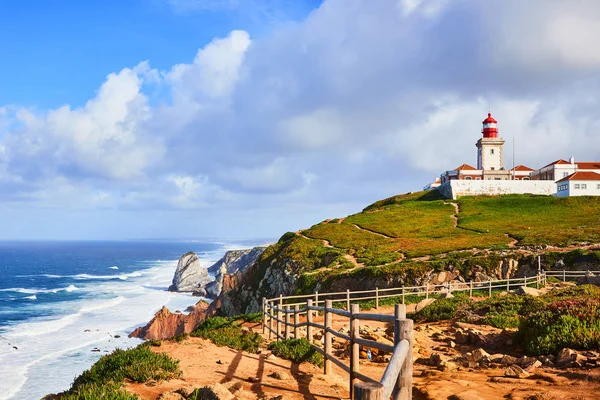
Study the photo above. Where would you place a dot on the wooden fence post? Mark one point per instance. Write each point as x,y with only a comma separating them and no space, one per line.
270,308
426,291
279,319
316,302
264,318
490,288
471,289
564,276
354,347
507,285
309,321
405,379
402,294
399,314
348,300
287,322
327,334
296,327
368,391
377,298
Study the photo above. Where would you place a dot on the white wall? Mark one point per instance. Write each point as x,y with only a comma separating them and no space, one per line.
457,188
590,190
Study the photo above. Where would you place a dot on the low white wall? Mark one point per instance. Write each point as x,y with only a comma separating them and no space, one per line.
456,188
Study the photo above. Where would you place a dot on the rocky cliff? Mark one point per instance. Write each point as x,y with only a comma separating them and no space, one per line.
190,276
166,324
234,262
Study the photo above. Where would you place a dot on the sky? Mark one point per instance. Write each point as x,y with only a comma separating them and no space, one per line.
231,119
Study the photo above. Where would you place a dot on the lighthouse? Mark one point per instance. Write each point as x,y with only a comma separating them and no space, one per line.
490,154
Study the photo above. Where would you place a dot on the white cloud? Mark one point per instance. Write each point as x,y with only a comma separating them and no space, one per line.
358,101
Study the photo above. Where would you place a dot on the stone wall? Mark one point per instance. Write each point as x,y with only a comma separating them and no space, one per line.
456,188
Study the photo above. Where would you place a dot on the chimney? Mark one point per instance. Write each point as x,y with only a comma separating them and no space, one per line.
572,160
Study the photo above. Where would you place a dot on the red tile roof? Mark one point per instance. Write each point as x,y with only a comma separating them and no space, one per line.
561,161
464,167
522,168
581,176
588,165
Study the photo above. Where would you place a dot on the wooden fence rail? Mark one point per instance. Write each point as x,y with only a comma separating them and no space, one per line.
397,379
282,320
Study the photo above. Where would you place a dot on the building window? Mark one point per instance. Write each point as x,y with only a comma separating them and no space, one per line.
478,179
468,178
577,186
526,179
598,186
491,151
565,174
492,168
584,185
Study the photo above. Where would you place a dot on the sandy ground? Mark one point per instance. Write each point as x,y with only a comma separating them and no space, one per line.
204,363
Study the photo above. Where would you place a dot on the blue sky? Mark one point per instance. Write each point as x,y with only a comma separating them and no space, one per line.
249,118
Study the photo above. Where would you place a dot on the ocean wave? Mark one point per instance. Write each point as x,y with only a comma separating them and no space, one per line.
69,288
46,327
80,277
34,297
113,267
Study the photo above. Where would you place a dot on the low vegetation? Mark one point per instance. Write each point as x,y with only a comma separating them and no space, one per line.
105,378
296,350
561,318
224,331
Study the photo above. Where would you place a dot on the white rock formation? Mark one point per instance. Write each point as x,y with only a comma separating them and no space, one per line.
190,276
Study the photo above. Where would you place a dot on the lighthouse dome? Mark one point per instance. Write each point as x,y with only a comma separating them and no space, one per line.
490,127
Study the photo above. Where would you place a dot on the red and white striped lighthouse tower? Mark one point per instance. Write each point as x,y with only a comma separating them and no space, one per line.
490,150
490,127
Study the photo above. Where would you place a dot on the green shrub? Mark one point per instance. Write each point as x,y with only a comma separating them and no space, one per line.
565,323
442,309
152,342
251,318
297,350
224,331
93,391
180,337
502,312
139,364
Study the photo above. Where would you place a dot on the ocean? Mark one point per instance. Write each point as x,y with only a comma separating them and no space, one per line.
65,304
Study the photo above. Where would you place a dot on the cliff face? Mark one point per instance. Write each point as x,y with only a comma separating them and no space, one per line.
189,276
165,324
233,263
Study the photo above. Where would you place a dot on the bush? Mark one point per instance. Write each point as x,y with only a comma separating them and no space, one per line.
224,331
565,323
297,350
442,309
139,364
92,391
104,379
502,312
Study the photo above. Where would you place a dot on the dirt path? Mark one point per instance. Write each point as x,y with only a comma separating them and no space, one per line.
456,212
373,232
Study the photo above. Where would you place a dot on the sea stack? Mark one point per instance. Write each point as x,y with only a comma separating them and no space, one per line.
189,276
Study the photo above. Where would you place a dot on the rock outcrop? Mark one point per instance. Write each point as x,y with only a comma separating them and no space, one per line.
190,276
233,263
166,324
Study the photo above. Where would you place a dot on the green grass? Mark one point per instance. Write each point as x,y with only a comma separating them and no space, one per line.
224,331
442,309
104,379
534,219
296,350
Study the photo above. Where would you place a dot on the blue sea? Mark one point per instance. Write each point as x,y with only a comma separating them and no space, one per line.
61,302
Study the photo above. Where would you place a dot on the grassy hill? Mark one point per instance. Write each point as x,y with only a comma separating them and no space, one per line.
405,237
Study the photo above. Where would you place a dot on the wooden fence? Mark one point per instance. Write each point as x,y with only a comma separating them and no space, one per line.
397,378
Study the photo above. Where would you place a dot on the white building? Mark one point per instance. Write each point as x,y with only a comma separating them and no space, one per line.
560,169
580,183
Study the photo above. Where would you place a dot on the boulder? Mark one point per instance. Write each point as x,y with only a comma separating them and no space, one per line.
424,303
566,357
446,295
189,276
527,290
170,396
534,365
479,356
467,395
214,392
280,375
514,371
508,360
